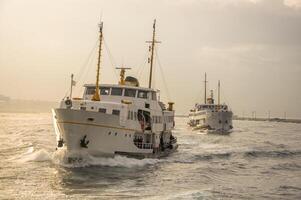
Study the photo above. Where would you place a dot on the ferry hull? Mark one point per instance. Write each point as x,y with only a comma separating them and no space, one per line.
215,122
102,134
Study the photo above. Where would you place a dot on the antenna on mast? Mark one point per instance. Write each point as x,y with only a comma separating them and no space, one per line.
205,97
122,74
96,96
219,93
151,49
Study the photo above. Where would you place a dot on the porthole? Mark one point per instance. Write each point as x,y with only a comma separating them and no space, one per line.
126,135
90,119
115,133
109,133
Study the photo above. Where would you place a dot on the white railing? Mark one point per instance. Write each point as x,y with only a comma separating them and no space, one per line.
142,145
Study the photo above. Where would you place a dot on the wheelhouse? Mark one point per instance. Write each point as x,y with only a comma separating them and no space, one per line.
137,93
211,107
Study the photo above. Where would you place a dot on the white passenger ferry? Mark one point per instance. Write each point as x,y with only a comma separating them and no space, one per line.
215,118
121,118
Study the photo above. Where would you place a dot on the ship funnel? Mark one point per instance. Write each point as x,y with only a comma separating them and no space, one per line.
131,81
170,106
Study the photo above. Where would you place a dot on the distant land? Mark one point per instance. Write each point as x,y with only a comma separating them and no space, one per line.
8,105
258,119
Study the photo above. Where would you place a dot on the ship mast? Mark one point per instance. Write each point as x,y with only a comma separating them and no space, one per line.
152,48
96,96
219,93
205,97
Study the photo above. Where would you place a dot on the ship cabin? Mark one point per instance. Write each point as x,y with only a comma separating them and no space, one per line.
137,107
203,108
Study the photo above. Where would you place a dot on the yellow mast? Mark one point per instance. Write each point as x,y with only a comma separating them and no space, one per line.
96,96
205,97
152,48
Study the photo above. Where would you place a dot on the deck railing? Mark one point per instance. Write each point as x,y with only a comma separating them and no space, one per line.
142,145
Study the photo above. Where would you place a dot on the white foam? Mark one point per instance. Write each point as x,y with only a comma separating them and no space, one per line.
83,159
35,156
122,161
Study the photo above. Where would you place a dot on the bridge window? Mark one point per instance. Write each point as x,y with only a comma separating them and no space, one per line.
90,90
142,94
116,92
154,96
116,112
132,115
102,110
105,91
130,93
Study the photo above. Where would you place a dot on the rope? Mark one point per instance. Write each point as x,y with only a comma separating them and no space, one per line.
163,76
141,66
83,68
112,61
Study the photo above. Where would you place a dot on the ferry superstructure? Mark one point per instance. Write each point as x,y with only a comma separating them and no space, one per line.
121,118
216,118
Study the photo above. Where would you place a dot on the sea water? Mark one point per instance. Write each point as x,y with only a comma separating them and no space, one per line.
258,160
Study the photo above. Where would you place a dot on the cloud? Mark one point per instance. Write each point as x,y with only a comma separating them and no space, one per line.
293,3
296,4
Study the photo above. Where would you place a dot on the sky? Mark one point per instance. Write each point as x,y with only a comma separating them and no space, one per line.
252,46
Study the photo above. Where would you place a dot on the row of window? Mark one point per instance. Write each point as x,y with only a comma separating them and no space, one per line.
202,107
169,119
127,92
103,110
133,115
117,134
155,119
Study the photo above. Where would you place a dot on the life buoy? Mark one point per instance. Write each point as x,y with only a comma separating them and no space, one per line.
68,102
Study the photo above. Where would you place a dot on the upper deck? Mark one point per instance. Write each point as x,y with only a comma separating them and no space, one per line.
116,93
213,107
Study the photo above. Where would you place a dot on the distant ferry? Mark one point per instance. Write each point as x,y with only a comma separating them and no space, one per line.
210,116
112,119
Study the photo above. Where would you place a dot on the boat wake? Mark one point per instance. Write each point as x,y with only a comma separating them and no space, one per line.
32,155
83,159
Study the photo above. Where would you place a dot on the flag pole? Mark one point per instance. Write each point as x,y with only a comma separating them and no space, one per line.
71,86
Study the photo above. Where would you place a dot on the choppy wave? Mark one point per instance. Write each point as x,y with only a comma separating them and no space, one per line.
286,166
83,159
272,153
194,194
80,159
32,155
212,156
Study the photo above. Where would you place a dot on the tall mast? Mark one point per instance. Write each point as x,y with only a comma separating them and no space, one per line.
219,92
96,96
205,97
152,48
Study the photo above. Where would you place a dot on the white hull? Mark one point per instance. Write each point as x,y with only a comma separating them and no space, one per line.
103,131
219,121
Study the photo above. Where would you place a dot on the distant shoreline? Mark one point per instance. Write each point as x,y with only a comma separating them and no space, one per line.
26,106
298,121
